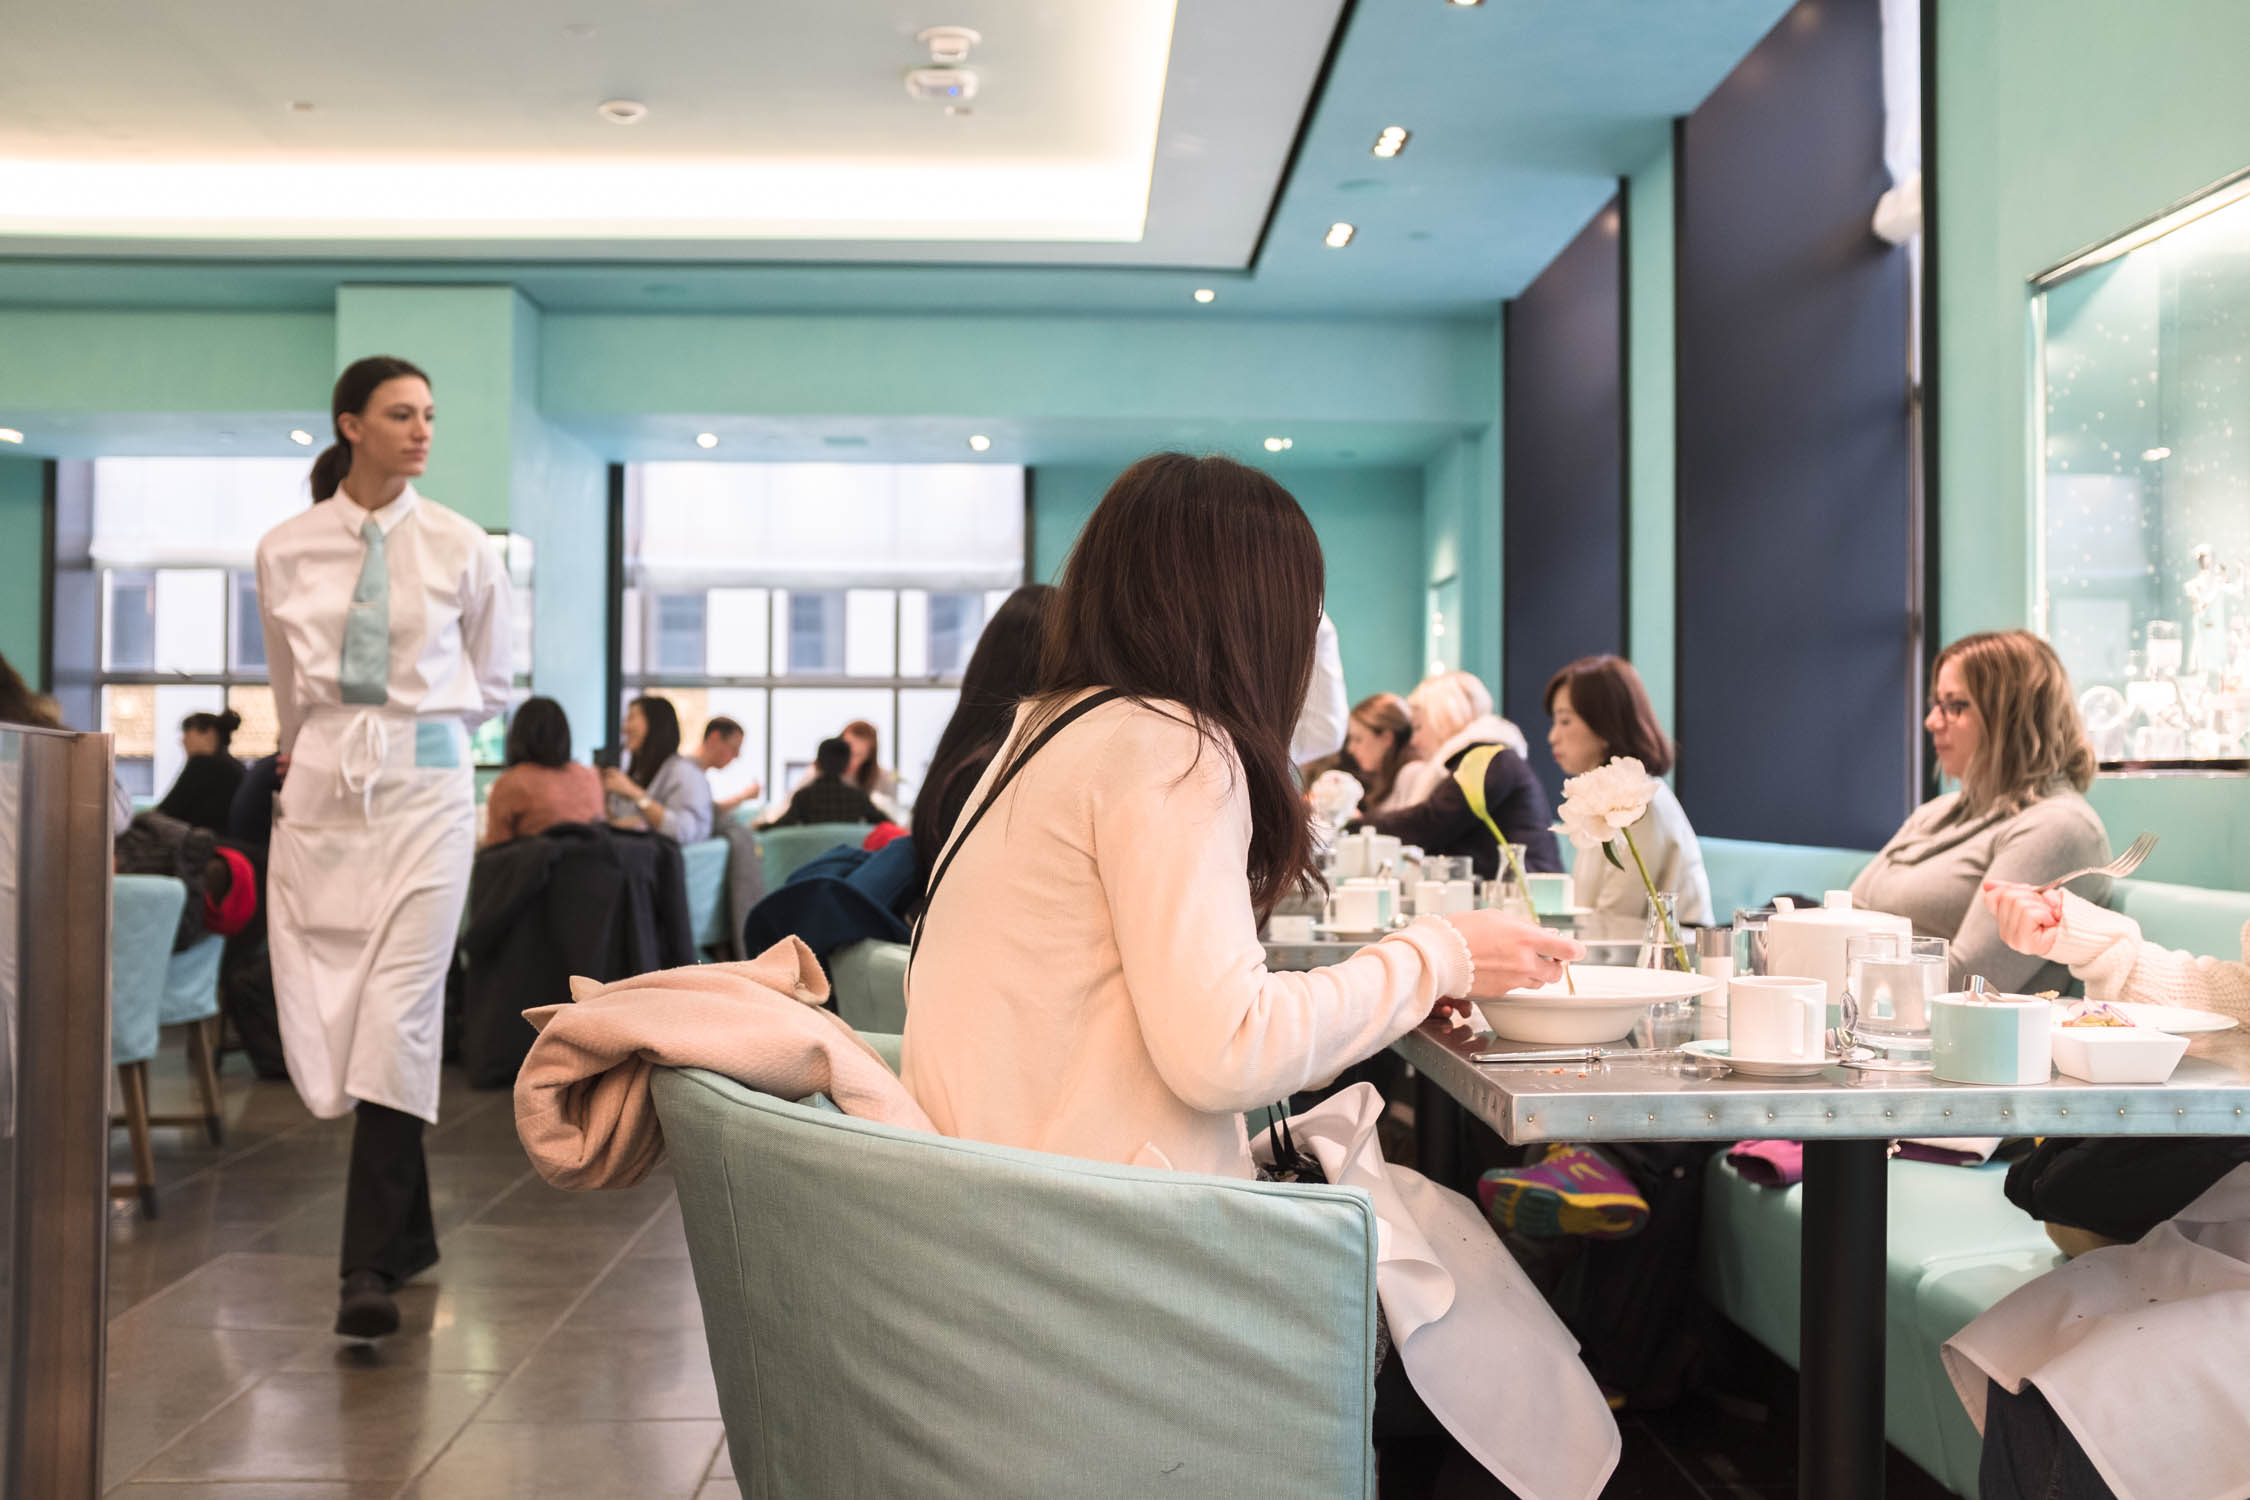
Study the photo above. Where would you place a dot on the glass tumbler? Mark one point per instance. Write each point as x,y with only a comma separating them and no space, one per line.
1889,982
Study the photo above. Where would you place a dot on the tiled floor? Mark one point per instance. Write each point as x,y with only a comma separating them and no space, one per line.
555,1352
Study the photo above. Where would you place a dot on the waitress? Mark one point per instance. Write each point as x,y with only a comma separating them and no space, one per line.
386,627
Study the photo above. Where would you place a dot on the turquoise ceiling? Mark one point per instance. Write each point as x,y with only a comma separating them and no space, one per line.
1523,113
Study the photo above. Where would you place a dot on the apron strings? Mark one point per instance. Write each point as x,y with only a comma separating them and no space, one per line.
359,760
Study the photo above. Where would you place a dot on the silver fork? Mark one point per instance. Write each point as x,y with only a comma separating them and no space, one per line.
2118,868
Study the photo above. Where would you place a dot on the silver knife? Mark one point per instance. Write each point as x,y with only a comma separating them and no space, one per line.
1576,1054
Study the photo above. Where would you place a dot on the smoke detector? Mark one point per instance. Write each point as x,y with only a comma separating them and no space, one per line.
949,45
951,87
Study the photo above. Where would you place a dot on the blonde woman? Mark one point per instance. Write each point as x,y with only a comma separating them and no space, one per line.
2004,723
1452,716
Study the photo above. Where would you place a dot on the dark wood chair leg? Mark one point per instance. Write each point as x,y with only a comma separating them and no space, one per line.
200,1054
132,1080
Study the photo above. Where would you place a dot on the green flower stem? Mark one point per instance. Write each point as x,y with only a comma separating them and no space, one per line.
1671,933
1523,883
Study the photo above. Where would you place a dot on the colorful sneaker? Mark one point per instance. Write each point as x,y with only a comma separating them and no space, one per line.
1573,1190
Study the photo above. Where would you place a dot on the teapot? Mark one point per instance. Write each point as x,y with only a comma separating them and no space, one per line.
1808,941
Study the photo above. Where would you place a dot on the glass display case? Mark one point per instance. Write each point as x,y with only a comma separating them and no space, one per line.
2141,475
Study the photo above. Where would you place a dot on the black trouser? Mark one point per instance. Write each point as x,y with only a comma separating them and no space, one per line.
387,1224
2030,1455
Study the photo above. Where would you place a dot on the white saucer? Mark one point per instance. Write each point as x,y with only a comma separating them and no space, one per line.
1323,930
1715,1050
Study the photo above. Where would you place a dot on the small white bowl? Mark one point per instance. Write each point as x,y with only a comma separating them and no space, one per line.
2117,1054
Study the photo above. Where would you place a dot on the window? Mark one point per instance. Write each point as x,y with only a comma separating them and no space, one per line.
2143,406
797,598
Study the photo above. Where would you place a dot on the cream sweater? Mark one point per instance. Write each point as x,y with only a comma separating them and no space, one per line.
1667,846
2105,948
1090,980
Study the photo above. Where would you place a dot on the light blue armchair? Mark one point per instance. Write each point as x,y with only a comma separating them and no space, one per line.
783,849
892,1313
705,863
868,981
144,914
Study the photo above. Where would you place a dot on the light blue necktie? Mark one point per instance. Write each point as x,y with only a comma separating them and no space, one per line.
366,671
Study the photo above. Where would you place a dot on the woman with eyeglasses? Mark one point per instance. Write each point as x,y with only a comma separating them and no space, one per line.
2004,724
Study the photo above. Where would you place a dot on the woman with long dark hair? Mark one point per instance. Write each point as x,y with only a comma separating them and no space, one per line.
1089,978
1597,710
659,789
542,785
1002,672
387,639
202,796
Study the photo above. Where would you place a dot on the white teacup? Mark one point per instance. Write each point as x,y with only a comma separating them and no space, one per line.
1289,929
1460,895
1430,896
1776,1018
1357,906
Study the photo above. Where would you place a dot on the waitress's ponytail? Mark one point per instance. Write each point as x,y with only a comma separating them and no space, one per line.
329,469
354,389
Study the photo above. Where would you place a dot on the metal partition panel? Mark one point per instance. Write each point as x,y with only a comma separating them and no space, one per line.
54,1104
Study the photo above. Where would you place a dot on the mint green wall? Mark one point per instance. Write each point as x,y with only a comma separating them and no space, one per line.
1461,544
96,360
23,489
1109,370
465,336
1650,427
1370,526
2061,123
559,498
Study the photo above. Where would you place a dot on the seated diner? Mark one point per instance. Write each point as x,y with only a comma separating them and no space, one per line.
659,789
1379,752
2004,724
1453,721
1088,978
542,785
1599,711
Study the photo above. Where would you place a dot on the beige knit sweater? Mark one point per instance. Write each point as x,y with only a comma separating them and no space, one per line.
2105,948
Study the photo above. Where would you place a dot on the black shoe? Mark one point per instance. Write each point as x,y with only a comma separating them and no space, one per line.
366,1310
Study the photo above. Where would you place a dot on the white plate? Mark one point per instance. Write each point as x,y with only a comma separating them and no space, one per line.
1715,1050
2177,1019
1609,1000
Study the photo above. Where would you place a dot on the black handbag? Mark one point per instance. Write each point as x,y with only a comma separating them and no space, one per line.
2120,1187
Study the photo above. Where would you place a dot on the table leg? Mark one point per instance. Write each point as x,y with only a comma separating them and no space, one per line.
1437,1132
1840,1354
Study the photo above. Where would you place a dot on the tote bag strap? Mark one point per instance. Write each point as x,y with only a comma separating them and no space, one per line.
1062,722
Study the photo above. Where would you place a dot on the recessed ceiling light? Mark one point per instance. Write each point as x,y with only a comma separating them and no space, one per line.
301,106
578,31
1392,141
2155,455
706,440
10,435
622,111
1279,444
1205,294
978,442
1339,235
300,437
1464,4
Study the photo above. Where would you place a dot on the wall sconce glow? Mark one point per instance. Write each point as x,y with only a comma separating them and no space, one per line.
1392,141
1205,294
300,437
978,442
1279,444
1338,236
2155,455
10,435
706,440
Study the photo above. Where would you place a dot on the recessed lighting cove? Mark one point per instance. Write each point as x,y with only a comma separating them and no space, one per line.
1205,294
1338,236
10,435
1280,444
300,437
1392,141
706,440
978,442
622,111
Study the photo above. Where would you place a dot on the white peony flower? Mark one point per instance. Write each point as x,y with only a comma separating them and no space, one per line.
1599,806
1335,796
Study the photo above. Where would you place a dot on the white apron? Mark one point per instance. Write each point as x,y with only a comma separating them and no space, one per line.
374,833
